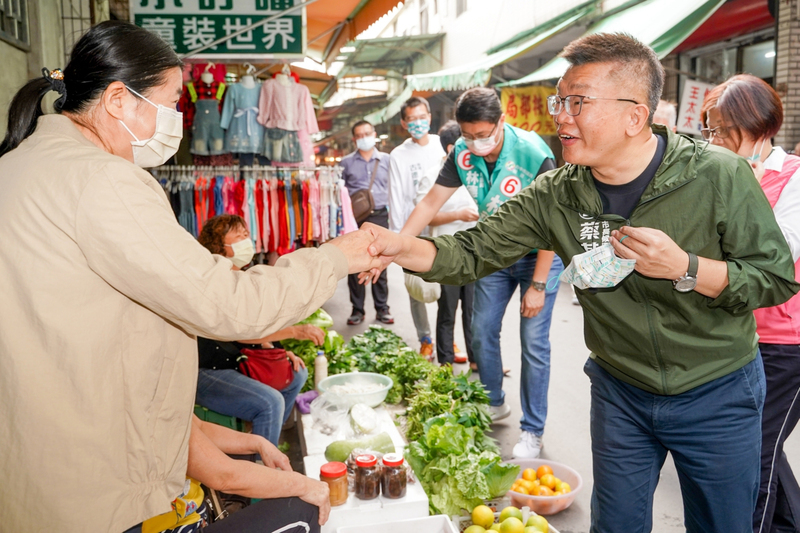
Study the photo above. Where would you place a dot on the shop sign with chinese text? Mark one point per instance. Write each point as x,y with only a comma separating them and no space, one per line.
526,108
689,119
188,25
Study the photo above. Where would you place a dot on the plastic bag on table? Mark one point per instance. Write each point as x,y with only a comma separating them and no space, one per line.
331,415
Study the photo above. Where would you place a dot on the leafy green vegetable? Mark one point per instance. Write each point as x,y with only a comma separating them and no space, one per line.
454,468
319,318
384,352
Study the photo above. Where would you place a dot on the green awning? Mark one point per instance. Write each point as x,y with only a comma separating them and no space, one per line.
663,24
478,73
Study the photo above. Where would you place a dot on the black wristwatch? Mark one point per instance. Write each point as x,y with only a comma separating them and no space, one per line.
688,281
539,285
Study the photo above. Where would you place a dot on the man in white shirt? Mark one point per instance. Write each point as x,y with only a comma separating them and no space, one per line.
407,166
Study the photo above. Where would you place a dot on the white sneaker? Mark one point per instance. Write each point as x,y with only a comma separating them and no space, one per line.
528,447
499,412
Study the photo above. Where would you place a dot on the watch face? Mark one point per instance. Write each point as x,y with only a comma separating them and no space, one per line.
685,284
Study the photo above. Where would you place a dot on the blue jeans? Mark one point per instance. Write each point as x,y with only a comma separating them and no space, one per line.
713,433
231,393
492,295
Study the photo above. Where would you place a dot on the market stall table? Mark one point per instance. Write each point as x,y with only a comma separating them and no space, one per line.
360,512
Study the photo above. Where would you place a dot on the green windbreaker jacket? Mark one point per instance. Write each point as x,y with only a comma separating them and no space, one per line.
643,331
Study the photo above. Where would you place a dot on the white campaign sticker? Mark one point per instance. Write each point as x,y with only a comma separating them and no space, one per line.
463,160
510,186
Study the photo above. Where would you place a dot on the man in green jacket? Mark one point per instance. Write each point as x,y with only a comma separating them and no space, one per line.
674,364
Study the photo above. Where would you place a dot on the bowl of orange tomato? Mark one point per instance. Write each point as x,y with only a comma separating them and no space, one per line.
546,487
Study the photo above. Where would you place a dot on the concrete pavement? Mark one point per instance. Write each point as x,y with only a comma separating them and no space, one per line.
566,437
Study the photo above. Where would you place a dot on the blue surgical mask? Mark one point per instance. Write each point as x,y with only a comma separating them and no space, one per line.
366,143
757,153
419,128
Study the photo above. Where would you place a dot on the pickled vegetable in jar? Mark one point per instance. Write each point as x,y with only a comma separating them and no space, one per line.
368,477
335,475
393,479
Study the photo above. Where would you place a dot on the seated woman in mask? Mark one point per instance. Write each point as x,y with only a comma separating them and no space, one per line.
220,386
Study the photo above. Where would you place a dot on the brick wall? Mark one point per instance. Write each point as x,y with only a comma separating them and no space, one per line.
787,70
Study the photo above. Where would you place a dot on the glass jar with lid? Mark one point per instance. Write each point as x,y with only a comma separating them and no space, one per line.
393,479
335,475
368,477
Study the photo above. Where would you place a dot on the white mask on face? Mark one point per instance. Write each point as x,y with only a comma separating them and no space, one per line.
165,141
243,252
482,147
365,143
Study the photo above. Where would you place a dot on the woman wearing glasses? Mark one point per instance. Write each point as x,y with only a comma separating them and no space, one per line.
742,114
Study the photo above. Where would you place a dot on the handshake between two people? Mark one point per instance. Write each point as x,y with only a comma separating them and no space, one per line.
372,248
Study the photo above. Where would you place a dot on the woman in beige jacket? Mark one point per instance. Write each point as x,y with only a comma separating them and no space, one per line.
103,293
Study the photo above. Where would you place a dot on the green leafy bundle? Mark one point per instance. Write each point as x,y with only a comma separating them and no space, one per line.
455,469
384,352
456,395
338,361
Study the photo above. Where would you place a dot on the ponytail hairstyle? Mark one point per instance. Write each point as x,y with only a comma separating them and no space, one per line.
110,51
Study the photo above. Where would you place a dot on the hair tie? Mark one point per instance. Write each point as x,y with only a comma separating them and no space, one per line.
56,79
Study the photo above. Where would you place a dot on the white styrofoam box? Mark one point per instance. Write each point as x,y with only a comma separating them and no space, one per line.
381,510
460,523
431,524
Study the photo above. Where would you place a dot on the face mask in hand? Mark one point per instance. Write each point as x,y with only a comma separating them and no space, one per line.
243,252
597,269
419,128
165,141
365,143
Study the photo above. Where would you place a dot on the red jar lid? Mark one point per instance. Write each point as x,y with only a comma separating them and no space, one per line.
393,459
366,460
333,469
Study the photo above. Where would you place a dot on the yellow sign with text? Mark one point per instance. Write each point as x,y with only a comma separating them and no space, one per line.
526,108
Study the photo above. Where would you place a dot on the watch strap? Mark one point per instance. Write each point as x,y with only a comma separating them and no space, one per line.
693,264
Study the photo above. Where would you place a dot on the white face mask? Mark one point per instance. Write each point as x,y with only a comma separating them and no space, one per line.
165,141
482,147
243,252
365,143
600,268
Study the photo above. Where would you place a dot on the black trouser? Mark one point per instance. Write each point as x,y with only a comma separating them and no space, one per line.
778,505
380,289
264,517
446,320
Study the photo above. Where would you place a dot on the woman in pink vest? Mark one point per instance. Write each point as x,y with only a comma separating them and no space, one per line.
743,114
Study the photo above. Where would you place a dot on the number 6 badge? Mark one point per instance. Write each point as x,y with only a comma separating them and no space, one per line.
510,186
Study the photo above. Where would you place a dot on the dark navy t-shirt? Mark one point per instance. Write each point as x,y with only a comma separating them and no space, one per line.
622,199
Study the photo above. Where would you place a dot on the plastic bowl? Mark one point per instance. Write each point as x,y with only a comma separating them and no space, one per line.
359,379
547,505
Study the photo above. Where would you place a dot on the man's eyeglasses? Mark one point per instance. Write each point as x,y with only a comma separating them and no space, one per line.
491,134
573,103
720,132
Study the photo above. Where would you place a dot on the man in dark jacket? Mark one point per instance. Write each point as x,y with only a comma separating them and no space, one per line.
675,365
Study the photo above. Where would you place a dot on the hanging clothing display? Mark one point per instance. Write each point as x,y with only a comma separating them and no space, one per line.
283,208
285,108
200,104
243,133
282,146
286,105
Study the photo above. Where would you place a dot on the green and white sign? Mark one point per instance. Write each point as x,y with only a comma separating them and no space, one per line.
188,25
